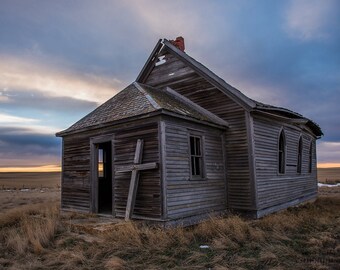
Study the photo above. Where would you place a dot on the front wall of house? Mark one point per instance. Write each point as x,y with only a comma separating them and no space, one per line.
274,189
76,177
185,197
148,199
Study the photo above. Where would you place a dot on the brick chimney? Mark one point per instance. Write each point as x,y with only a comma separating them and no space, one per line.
179,43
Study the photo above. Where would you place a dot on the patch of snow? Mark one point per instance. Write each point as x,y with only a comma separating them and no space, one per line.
328,185
204,246
24,190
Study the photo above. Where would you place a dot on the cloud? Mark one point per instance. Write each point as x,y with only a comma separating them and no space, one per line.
310,19
177,22
10,119
14,125
328,152
38,100
27,74
23,146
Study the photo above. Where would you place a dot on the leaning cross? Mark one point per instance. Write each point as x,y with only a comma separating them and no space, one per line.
135,168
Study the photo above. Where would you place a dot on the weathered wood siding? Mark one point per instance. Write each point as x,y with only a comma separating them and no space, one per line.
273,188
76,187
148,200
177,75
185,197
76,179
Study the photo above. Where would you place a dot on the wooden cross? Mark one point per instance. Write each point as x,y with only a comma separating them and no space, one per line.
135,168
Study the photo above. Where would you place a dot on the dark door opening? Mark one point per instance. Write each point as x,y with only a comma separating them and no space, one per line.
104,178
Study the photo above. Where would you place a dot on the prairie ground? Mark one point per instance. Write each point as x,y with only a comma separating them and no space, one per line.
34,235
31,180
329,175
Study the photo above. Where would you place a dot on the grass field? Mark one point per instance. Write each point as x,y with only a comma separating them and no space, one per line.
10,180
329,175
33,235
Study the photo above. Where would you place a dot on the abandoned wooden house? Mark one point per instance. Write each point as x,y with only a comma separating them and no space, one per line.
180,144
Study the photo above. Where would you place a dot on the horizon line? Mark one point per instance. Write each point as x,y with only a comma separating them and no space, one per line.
57,168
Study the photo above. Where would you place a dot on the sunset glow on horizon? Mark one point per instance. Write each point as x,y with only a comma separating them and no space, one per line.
57,168
328,165
46,168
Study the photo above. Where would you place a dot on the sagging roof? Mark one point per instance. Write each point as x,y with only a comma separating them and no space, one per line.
246,102
138,99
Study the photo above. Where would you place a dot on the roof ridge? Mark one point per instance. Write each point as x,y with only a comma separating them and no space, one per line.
151,100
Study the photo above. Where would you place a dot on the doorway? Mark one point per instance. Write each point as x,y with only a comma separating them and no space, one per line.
104,177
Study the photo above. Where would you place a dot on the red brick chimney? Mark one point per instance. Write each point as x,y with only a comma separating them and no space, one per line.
179,43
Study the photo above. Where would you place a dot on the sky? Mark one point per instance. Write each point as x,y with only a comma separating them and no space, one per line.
59,60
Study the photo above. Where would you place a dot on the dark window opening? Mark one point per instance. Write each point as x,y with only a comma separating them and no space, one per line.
310,163
196,158
282,153
299,157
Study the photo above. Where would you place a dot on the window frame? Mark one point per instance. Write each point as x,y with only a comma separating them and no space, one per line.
299,156
202,175
281,169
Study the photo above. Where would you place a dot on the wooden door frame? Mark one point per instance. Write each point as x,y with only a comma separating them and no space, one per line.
94,141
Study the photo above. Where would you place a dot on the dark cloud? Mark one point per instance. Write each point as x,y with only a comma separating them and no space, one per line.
21,142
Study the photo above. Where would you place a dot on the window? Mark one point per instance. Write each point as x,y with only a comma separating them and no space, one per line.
196,157
299,157
282,153
310,162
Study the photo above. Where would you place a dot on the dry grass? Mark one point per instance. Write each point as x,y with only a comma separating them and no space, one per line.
16,199
18,180
329,175
307,237
29,229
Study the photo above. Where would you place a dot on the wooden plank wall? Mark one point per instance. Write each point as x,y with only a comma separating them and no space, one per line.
175,74
76,186
187,197
148,200
273,188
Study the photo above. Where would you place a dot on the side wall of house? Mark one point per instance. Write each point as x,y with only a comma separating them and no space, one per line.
183,79
186,197
76,186
277,191
76,176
